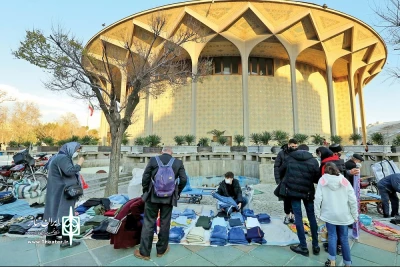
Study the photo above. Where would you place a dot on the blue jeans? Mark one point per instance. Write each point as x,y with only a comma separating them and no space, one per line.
309,205
341,232
386,195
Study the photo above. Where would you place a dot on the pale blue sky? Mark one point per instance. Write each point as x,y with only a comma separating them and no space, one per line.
84,19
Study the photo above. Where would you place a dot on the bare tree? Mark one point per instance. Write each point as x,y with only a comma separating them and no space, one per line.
5,97
388,12
151,67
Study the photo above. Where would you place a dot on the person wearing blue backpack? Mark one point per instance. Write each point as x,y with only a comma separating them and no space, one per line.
163,181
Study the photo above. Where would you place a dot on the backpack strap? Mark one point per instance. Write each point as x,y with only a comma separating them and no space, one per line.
160,164
171,161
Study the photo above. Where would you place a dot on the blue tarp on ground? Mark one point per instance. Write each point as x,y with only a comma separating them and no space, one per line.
20,208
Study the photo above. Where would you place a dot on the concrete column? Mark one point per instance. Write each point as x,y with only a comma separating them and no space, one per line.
294,95
362,112
331,97
148,120
245,96
194,98
353,100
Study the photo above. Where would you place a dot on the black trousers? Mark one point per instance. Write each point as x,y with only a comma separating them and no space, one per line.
287,205
150,217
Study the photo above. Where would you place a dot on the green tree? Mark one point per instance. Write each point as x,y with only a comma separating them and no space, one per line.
149,68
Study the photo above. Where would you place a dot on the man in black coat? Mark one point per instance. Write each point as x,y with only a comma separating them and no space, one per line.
300,170
280,159
351,167
154,204
230,187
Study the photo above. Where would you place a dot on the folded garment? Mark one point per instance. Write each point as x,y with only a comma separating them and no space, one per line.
189,213
84,218
99,209
260,241
100,232
185,226
181,220
118,199
196,235
91,212
219,236
252,222
204,221
225,202
21,228
263,218
208,213
96,220
254,232
248,213
218,221
81,209
84,230
237,215
38,228
235,222
175,213
237,236
110,213
176,234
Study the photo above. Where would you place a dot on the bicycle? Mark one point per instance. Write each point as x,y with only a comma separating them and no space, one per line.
25,172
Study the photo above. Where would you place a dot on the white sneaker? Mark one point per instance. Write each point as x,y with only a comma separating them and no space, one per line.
286,220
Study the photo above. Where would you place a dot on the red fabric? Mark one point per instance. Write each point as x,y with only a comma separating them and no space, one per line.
129,238
84,184
110,213
323,162
392,238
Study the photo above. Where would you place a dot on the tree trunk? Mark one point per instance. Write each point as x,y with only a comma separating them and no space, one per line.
115,156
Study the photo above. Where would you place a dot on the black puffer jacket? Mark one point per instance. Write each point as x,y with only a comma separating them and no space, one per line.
237,190
280,159
301,170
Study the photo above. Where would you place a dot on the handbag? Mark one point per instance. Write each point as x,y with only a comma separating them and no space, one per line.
114,225
280,190
74,191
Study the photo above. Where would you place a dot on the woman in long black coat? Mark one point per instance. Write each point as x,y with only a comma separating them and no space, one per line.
62,172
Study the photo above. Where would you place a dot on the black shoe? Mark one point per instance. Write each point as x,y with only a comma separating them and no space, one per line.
329,263
339,250
299,250
325,245
385,216
67,244
316,250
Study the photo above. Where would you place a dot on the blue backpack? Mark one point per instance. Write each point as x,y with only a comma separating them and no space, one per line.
164,181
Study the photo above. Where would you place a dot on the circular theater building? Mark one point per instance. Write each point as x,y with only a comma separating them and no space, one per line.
277,65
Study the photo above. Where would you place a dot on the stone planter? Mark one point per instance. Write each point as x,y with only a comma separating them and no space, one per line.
252,149
312,148
14,148
47,148
379,149
238,149
221,149
265,149
104,148
275,149
137,150
355,149
395,149
126,149
87,148
152,150
202,149
184,149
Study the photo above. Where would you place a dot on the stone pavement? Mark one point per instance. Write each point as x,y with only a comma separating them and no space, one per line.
369,251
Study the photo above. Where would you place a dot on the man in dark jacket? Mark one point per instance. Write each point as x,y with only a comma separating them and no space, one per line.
230,187
154,204
280,159
300,170
351,167
388,187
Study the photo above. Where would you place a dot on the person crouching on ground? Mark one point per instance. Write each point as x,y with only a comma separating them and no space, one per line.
336,204
301,169
230,187
388,188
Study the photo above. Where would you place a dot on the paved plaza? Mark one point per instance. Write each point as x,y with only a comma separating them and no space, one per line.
368,251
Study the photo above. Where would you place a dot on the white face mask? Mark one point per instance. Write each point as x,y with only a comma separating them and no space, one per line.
228,181
75,155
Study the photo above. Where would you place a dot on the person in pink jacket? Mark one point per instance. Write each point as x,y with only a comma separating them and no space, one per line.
336,204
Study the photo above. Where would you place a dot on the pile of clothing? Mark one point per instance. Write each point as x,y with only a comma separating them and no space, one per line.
176,234
255,235
196,236
237,236
219,236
